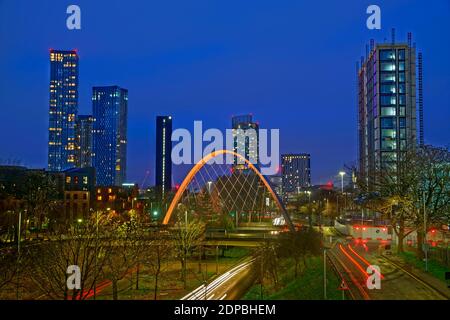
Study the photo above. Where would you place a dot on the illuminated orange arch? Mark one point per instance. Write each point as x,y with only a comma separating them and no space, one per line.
201,163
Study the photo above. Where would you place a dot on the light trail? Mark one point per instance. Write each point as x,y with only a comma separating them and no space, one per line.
353,261
364,260
203,290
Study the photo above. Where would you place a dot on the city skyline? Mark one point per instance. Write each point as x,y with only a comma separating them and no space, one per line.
273,92
213,151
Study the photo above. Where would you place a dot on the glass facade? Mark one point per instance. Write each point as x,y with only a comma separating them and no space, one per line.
386,107
110,108
63,108
393,102
245,140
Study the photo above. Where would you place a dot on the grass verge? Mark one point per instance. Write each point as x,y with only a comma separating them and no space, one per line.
307,286
435,269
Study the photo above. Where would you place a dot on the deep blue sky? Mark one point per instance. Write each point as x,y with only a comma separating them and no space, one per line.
290,63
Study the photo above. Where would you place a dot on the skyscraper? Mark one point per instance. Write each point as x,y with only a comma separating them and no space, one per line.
163,155
245,140
295,171
110,108
63,108
83,129
387,107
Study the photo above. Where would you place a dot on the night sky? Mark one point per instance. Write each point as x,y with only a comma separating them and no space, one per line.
289,63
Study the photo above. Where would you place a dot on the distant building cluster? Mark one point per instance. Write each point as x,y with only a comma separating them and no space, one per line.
86,151
75,190
79,141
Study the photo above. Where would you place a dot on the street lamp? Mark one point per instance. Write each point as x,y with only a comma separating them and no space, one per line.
309,209
342,173
309,194
425,245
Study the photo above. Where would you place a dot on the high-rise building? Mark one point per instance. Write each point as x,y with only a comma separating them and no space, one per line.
110,108
163,159
295,172
245,140
83,129
63,108
387,107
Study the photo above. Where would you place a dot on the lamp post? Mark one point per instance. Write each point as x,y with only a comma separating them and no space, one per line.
341,173
309,209
19,231
324,274
425,247
96,253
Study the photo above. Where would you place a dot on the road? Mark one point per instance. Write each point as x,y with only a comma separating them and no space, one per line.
230,285
352,260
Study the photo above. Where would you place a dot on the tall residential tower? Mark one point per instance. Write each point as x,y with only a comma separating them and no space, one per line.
63,108
109,158
245,140
386,107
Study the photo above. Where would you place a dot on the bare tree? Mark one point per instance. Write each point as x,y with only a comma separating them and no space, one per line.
78,245
266,264
418,180
432,194
187,235
159,251
8,261
299,246
40,196
125,243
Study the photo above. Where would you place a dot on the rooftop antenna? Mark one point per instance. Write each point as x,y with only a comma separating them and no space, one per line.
409,39
420,85
393,35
